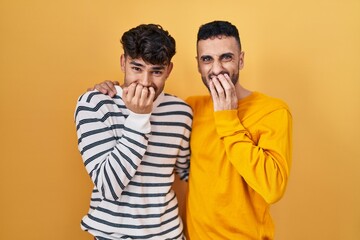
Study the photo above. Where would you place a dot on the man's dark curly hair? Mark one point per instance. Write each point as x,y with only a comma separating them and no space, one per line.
216,29
150,42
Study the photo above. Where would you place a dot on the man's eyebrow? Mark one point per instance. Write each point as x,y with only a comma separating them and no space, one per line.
158,68
206,56
136,64
155,68
226,54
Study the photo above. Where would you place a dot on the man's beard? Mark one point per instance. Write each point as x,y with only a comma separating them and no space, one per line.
234,78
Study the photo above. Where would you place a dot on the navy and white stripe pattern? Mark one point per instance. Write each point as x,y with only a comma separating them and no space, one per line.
131,160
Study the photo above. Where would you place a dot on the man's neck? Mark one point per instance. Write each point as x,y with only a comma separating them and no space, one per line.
241,92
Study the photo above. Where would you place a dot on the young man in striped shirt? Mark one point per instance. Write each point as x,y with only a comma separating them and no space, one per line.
132,143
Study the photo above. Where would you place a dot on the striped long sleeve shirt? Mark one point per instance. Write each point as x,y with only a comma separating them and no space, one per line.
131,159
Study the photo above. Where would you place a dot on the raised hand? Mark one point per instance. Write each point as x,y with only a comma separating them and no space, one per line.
138,99
106,87
223,93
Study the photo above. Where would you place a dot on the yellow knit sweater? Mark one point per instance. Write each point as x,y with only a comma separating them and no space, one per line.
240,162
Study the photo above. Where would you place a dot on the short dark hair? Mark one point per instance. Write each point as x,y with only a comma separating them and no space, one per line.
150,42
216,29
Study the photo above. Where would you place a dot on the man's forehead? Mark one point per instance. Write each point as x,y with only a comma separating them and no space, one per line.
141,63
217,45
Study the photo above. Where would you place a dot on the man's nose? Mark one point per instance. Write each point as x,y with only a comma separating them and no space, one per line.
216,68
145,79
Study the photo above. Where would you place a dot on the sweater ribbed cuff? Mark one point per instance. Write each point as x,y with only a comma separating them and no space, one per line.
139,122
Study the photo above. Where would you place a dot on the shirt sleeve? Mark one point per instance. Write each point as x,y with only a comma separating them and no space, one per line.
111,159
262,157
182,165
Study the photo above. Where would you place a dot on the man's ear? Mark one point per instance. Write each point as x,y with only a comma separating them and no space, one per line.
241,60
169,69
197,62
122,62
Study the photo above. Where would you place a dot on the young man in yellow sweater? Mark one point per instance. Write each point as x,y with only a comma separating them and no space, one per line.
241,145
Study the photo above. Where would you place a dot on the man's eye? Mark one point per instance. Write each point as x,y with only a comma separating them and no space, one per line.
137,69
206,59
227,58
157,73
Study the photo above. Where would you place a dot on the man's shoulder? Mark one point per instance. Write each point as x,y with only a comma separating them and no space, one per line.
194,101
170,99
95,97
264,103
271,101
92,101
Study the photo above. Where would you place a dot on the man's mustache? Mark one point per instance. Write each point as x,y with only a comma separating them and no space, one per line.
211,75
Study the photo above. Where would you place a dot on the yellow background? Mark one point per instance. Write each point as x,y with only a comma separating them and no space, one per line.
305,52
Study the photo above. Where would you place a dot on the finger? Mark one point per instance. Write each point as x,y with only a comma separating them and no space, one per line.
125,92
225,81
214,95
144,96
103,88
218,88
151,97
227,85
213,91
138,91
228,78
131,91
110,87
100,88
